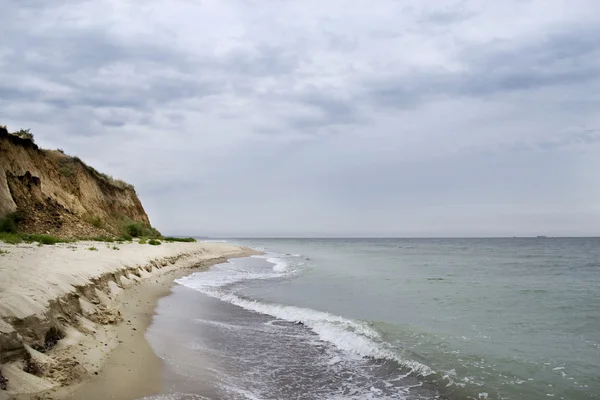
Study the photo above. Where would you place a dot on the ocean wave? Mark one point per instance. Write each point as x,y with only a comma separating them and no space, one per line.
218,280
351,336
280,264
176,396
224,274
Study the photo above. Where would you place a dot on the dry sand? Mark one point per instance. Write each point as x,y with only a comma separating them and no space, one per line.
99,301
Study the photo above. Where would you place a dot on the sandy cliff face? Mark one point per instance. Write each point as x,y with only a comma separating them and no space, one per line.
60,195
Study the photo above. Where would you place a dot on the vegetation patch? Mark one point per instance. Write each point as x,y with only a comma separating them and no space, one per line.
107,178
153,242
143,241
43,239
106,239
10,238
24,134
3,252
178,239
9,224
92,248
66,167
95,221
139,229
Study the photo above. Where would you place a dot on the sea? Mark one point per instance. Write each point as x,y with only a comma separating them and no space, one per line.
514,318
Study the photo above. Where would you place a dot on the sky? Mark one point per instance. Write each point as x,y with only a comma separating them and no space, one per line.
405,118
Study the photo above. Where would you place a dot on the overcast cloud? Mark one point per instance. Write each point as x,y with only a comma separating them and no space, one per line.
321,118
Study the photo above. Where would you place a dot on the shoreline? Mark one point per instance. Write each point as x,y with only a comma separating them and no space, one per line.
103,352
121,377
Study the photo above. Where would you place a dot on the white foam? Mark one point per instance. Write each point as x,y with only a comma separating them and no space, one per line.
176,396
278,261
351,336
239,391
225,274
219,280
280,265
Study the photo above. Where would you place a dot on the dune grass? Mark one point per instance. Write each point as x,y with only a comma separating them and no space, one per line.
10,238
16,238
178,239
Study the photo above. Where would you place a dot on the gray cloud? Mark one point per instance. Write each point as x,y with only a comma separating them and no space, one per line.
298,118
499,67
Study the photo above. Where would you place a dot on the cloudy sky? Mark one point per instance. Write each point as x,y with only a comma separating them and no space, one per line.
321,118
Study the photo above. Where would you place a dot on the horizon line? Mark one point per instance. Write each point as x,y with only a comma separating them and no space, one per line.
391,237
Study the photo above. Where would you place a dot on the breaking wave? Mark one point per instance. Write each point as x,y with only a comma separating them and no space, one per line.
354,337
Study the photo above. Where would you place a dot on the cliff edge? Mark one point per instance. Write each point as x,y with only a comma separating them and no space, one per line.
54,193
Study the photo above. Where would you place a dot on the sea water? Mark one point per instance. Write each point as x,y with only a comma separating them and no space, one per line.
388,319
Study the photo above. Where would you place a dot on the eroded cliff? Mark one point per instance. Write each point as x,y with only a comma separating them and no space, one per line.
60,195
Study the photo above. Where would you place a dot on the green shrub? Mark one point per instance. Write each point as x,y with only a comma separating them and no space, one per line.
66,167
9,223
10,238
43,239
116,248
143,241
24,134
177,239
3,252
126,238
139,229
92,248
134,229
154,242
97,221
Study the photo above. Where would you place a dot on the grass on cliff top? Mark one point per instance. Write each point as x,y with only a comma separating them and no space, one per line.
107,178
23,134
66,165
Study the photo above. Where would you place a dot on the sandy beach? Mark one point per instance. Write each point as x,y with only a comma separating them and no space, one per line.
73,316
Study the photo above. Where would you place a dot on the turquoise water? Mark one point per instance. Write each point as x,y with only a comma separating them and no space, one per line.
420,318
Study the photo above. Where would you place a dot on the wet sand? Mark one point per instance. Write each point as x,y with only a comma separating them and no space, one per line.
133,370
